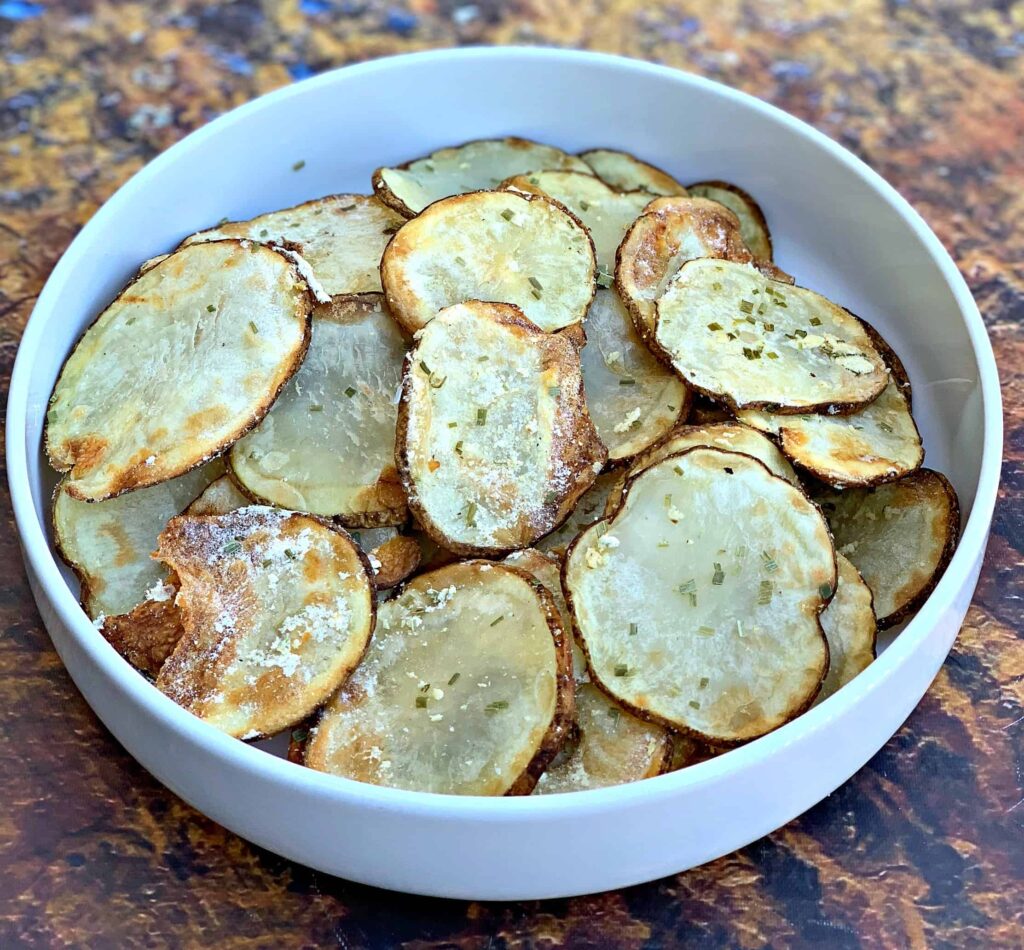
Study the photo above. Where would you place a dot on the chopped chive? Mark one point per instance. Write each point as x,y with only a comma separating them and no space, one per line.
703,682
770,564
764,596
668,500
751,321
437,383
496,706
536,284
252,326
299,165
885,427
705,631
507,215
825,590
497,620
459,259
482,359
266,562
454,679
299,735
316,407
621,669
747,306
693,704
800,333
232,547
768,327
554,390
210,308
771,355
633,629
760,308
421,702
458,447
263,233
716,286
471,515
481,416
584,205
350,392
290,554
425,368
715,326
428,167
751,354
452,425
535,294
678,469
719,575
814,322
663,544
604,278
425,687
627,381
344,208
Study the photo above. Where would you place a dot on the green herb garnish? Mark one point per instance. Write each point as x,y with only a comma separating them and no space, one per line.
481,416
350,392
454,679
747,306
316,407
299,165
633,629
536,284
621,669
715,326
471,515
764,596
497,620
232,547
719,576
496,706
814,322
627,381
421,702
507,215
825,590
770,564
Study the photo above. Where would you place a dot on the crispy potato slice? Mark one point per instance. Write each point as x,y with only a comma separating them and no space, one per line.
899,535
698,601
660,241
753,226
491,245
609,747
633,398
328,444
729,436
342,237
475,166
850,628
465,689
278,608
394,560
494,441
875,444
590,507
605,212
108,544
188,358
628,173
147,634
755,343
221,496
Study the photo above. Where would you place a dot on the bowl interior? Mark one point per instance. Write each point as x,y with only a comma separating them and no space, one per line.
834,228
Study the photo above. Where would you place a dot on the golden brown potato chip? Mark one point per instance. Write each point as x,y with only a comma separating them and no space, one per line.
589,508
628,173
221,496
850,628
752,223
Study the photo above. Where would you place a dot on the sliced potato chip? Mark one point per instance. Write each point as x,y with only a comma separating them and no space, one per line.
277,607
850,628
589,508
342,237
899,535
626,172
108,544
660,241
875,444
729,436
189,356
494,441
221,496
606,213
698,601
491,245
633,398
328,444
394,560
754,343
610,747
465,689
475,166
752,223
147,634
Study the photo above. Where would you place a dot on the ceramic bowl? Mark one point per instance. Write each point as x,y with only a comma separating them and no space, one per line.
837,226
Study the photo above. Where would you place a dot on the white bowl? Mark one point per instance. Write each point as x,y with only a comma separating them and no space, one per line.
838,226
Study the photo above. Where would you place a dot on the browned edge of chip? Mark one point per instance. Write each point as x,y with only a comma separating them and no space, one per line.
147,635
389,252
399,557
705,411
127,483
386,196
668,181
581,450
686,732
890,357
748,199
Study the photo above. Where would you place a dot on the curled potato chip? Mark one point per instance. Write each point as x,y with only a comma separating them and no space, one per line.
221,496
754,343
394,560
633,398
342,237
277,609
108,544
850,628
729,436
475,166
753,226
147,634
877,443
628,173
605,212
661,240
899,535
328,444
188,358
465,689
697,602
589,508
491,245
494,441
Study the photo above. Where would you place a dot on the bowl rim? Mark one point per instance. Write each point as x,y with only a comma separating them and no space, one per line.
291,777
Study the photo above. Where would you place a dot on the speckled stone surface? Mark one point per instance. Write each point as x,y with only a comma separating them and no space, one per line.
924,847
